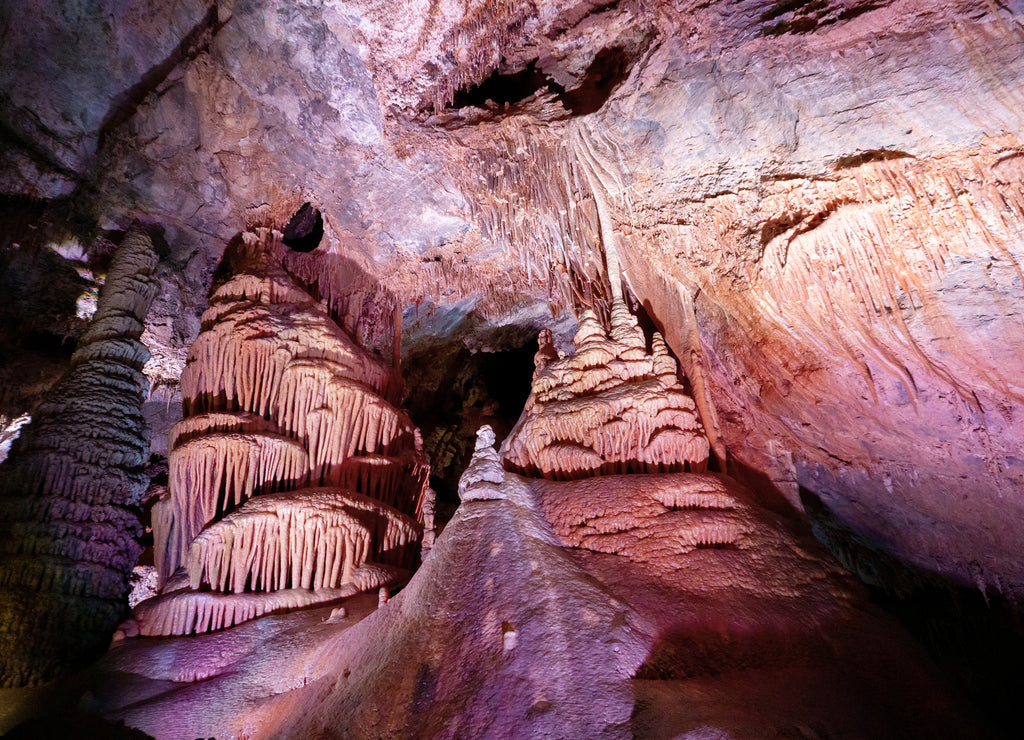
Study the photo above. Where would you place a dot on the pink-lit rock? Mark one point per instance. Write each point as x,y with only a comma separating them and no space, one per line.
279,398
643,608
607,408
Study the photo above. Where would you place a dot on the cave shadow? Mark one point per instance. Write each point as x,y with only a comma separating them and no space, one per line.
452,390
843,678
766,493
975,637
741,664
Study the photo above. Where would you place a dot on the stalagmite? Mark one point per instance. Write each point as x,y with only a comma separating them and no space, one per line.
277,398
69,489
610,407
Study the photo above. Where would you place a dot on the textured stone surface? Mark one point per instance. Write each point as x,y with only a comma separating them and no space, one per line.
818,205
292,479
505,633
608,407
70,491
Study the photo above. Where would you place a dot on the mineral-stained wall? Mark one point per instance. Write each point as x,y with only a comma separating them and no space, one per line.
293,480
70,491
818,205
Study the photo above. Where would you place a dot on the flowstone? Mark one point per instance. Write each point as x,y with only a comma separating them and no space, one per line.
294,480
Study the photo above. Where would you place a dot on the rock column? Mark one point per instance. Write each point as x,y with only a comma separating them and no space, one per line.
70,488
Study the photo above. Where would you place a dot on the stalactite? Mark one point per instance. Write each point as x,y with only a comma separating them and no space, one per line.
855,266
212,474
607,408
69,489
537,209
309,538
187,612
278,397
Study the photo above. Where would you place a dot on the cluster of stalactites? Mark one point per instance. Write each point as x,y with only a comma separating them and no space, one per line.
312,539
260,322
278,398
609,407
68,491
211,475
187,612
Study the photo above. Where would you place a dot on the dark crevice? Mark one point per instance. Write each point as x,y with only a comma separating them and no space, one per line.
871,155
776,226
608,70
717,546
805,16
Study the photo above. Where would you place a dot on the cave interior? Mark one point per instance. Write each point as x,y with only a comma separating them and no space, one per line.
587,368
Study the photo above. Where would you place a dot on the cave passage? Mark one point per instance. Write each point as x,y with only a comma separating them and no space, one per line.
450,393
608,70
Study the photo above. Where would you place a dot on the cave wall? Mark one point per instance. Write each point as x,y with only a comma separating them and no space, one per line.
818,204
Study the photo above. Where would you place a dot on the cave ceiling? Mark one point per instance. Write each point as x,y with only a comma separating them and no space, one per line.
820,205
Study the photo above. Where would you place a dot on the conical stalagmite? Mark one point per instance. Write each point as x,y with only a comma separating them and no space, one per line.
609,407
277,398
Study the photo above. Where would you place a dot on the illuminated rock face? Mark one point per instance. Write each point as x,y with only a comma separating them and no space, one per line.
293,480
614,606
69,492
610,407
818,204
823,202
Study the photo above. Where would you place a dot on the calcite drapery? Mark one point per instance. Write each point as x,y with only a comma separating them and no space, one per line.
610,407
291,470
68,530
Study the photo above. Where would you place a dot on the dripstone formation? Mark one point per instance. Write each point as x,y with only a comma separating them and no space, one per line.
293,478
69,492
609,407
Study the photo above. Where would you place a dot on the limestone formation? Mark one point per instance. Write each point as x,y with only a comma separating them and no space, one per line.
610,407
291,472
70,489
819,204
186,611
612,607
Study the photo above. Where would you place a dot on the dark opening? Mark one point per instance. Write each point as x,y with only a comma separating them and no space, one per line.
871,155
305,229
608,70
507,88
450,393
805,16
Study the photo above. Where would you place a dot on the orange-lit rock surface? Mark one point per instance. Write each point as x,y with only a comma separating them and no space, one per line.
292,480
